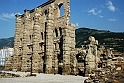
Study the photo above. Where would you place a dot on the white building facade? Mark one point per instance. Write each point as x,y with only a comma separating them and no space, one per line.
4,53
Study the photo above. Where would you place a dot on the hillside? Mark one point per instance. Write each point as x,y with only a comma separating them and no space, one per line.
109,39
7,42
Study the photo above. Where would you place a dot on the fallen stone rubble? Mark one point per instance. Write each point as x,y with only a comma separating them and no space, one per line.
101,76
11,75
8,75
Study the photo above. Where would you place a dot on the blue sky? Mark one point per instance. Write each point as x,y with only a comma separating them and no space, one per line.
95,14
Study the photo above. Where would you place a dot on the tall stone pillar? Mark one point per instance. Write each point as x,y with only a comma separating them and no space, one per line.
67,11
66,53
55,63
68,39
74,66
68,46
15,61
91,58
49,40
25,57
36,57
96,56
41,38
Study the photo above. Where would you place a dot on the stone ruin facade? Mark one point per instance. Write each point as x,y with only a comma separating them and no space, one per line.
44,39
45,43
87,57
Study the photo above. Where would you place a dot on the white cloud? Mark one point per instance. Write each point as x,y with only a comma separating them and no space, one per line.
94,11
110,5
112,8
1,18
10,16
7,16
114,19
100,16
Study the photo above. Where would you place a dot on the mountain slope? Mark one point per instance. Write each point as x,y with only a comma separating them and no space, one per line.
109,39
7,42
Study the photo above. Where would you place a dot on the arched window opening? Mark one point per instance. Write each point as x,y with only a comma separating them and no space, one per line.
61,9
30,37
42,35
47,17
60,30
56,33
79,58
33,18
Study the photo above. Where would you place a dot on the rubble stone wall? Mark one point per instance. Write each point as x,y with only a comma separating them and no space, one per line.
44,39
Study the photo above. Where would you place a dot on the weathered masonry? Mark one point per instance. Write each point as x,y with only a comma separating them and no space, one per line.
45,43
44,38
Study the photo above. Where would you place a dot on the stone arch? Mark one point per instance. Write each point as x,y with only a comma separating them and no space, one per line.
46,15
61,9
81,59
80,56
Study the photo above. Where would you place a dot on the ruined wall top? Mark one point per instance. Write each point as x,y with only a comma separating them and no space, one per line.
47,4
93,41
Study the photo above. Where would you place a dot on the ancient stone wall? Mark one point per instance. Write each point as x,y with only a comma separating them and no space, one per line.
44,39
9,60
45,43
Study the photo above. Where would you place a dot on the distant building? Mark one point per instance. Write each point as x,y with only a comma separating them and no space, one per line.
4,53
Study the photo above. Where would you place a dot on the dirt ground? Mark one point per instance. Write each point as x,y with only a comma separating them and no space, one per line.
43,78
